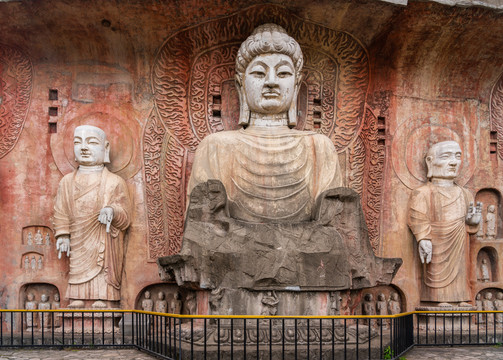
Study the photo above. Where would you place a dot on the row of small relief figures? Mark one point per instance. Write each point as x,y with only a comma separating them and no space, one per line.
490,221
381,306
488,304
37,320
33,264
39,240
174,307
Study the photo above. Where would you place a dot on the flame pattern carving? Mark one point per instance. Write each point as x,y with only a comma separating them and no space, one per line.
15,92
195,64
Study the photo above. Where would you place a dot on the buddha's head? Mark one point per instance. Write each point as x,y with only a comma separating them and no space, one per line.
268,74
44,298
56,297
443,160
147,294
90,146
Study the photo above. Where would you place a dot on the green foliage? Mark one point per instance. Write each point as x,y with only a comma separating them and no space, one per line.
389,354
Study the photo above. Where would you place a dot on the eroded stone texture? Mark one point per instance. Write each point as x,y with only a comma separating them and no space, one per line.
417,69
331,252
440,214
92,212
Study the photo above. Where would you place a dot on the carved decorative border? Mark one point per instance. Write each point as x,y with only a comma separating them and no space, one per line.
180,74
496,110
15,91
373,177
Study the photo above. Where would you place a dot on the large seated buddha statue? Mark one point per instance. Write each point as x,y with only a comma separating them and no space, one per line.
271,172
267,209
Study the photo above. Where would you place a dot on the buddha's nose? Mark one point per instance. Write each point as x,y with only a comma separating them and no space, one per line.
271,79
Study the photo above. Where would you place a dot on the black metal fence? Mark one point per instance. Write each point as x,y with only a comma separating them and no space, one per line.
249,337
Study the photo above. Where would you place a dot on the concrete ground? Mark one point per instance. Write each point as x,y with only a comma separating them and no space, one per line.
106,354
455,353
417,353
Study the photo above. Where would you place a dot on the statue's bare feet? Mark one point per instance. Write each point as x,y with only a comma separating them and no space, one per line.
99,305
444,304
76,304
464,304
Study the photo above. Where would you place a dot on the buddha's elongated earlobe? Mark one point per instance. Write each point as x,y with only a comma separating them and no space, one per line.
292,112
107,153
244,110
428,161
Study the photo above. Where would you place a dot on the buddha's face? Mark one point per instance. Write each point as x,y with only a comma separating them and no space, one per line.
444,160
89,146
269,83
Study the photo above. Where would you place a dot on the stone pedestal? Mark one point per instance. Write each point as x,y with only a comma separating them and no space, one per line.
446,321
242,262
104,322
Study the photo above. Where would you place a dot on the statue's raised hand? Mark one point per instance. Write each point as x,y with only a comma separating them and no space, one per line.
425,250
474,215
105,217
63,245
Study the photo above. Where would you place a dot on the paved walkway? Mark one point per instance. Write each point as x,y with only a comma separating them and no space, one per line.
455,353
106,354
417,353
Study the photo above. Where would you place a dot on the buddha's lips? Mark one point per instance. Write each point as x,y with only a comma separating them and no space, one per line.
270,93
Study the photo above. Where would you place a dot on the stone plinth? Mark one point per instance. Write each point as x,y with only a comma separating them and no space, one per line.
446,321
106,322
328,254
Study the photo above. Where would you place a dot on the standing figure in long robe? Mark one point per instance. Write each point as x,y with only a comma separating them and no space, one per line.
441,213
91,214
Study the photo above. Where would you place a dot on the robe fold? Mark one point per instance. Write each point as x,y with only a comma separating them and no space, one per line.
269,174
438,214
96,257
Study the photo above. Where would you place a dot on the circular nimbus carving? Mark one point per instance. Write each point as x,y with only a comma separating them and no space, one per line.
122,135
412,140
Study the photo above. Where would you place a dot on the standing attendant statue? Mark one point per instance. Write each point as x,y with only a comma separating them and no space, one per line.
484,271
479,306
91,214
488,305
147,304
369,308
30,304
382,308
55,306
394,304
498,304
441,214
45,319
191,304
175,307
491,222
161,305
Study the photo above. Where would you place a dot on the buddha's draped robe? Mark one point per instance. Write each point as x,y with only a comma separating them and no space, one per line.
96,257
270,174
438,214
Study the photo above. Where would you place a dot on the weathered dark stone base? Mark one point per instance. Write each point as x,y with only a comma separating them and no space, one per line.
328,254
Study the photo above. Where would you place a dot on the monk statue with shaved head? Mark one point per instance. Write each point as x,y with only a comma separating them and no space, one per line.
91,214
441,214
